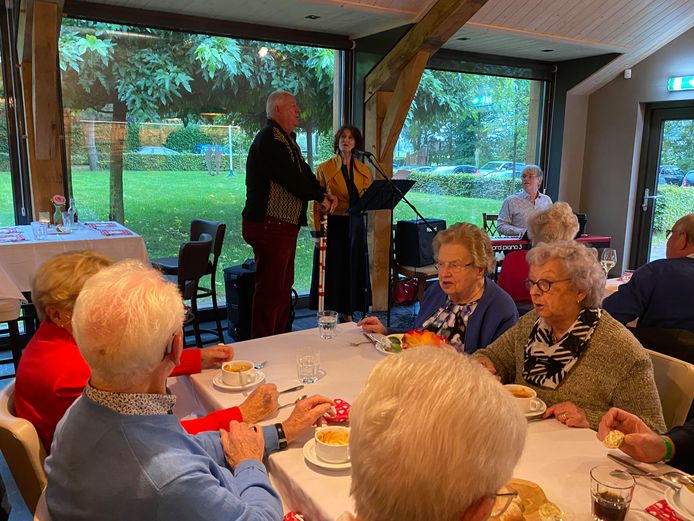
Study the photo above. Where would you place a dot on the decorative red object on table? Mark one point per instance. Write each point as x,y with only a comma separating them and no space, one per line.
293,516
662,511
341,411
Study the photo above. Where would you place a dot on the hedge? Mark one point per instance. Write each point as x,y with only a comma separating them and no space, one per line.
676,202
175,162
464,185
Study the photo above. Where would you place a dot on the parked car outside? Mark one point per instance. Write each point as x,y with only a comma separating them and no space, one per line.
412,168
454,169
508,174
202,148
157,150
499,166
673,175
688,179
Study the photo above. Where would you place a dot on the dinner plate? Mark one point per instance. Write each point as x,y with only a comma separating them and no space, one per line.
218,382
531,415
310,455
380,349
673,498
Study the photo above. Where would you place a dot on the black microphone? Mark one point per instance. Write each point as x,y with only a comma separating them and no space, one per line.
363,153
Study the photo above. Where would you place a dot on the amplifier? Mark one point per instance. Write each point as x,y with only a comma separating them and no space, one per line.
413,241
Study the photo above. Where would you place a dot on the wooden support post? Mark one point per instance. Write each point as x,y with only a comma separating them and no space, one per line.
389,90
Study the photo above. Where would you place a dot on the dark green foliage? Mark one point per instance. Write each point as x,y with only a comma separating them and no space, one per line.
184,139
132,137
464,185
676,202
165,162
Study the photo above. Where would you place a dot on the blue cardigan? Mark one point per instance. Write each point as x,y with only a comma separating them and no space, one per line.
495,313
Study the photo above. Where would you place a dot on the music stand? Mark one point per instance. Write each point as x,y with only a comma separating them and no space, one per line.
381,195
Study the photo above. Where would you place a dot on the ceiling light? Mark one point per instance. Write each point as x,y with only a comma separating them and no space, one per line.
262,52
462,39
312,17
547,50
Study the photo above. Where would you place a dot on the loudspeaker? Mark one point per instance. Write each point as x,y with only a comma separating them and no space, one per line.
582,221
413,241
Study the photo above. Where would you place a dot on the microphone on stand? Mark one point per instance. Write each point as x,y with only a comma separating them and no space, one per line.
363,153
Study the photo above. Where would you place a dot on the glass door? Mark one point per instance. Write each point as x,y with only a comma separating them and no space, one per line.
666,182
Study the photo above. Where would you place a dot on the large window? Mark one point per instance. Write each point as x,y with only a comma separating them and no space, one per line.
158,126
6,202
466,139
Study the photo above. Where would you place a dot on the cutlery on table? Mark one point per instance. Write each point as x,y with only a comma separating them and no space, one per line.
355,344
643,473
261,364
303,397
292,389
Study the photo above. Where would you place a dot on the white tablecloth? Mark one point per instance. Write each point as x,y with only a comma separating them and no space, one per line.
556,457
20,260
10,298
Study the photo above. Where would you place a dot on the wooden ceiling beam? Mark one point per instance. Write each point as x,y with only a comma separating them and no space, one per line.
440,23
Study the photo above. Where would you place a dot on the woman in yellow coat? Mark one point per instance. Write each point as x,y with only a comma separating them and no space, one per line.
347,286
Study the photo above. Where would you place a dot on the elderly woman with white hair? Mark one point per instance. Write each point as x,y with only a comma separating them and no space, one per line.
558,222
424,449
465,307
516,208
579,359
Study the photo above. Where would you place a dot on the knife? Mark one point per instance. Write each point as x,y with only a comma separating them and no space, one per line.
643,473
292,389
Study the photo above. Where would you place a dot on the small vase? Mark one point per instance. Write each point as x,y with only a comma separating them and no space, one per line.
57,215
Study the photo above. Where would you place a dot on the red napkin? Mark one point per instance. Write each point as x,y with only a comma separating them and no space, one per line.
662,511
341,411
8,229
12,237
109,233
101,225
293,516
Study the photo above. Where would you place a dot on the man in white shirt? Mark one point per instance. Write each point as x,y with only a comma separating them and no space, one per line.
516,208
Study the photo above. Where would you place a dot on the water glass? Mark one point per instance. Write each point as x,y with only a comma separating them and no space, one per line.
611,490
67,221
608,259
307,365
327,323
39,229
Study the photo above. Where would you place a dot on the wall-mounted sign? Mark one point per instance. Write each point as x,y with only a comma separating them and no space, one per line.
680,83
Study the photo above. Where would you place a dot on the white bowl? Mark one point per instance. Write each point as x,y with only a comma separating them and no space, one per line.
687,497
238,372
330,452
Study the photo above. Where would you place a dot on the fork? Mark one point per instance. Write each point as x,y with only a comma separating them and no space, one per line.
354,344
261,364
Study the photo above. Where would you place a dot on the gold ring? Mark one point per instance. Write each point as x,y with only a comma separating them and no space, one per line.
563,417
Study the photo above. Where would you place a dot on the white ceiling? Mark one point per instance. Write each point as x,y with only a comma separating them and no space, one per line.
518,28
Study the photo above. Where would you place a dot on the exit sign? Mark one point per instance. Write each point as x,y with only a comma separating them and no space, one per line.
680,83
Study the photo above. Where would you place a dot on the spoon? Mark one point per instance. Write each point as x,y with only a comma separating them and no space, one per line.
261,364
678,477
303,397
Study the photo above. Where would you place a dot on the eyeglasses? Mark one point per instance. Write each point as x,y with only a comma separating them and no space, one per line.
503,501
453,266
668,233
543,285
528,176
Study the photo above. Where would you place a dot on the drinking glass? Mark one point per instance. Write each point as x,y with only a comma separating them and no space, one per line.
307,365
611,490
67,221
608,259
327,323
39,229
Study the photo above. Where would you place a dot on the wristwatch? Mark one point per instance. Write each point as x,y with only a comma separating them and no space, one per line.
282,437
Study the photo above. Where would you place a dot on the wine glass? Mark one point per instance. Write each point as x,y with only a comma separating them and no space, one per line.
608,259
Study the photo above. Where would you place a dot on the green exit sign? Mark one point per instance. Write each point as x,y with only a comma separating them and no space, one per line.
680,83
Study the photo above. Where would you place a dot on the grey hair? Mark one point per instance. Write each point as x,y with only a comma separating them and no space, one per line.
473,239
581,265
124,319
556,223
432,432
274,100
536,170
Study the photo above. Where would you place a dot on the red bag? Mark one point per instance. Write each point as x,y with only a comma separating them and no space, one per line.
405,291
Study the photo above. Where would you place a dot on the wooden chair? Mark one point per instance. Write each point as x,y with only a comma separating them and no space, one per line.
489,224
22,449
675,382
169,265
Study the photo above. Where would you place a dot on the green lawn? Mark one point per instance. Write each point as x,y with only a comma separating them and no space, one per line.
160,205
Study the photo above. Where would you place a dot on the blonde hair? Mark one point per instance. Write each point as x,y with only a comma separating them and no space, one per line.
432,432
558,222
581,265
60,279
124,321
473,239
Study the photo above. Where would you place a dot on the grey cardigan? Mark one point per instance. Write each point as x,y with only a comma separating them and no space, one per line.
613,371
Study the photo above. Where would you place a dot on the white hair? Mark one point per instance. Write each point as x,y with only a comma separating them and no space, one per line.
534,169
274,100
124,319
555,223
580,263
432,432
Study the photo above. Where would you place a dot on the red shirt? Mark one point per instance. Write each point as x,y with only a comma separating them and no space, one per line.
52,374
